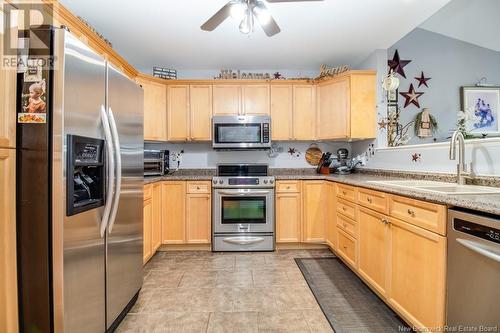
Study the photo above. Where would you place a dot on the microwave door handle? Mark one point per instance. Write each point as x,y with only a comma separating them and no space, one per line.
110,171
262,133
118,186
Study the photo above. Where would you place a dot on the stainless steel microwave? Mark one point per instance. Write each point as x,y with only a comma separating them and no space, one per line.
241,132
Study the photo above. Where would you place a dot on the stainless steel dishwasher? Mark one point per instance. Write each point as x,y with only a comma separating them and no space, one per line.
473,295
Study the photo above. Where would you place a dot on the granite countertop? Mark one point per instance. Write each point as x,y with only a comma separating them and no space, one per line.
489,203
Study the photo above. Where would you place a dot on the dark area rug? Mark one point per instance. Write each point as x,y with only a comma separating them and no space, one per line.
348,304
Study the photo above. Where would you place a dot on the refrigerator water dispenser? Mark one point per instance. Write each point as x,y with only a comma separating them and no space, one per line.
86,167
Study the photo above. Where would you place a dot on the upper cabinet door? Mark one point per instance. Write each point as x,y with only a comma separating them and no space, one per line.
200,97
8,118
363,105
282,112
255,99
226,100
155,111
333,109
304,112
178,112
7,107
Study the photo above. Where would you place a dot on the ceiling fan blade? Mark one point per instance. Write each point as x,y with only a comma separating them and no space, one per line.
273,1
217,18
265,19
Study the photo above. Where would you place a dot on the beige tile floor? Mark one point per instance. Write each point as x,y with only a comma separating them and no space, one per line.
226,292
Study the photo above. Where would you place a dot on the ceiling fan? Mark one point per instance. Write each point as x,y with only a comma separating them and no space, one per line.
246,11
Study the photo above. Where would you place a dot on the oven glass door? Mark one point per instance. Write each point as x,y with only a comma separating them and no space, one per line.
238,133
238,210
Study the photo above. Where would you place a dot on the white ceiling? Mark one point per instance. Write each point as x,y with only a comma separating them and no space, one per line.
167,32
475,22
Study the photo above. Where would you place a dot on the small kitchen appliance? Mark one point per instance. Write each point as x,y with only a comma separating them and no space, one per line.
243,208
156,162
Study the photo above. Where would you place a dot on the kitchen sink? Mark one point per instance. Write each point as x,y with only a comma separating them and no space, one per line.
438,187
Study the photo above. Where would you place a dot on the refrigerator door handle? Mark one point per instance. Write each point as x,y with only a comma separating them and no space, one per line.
111,170
118,185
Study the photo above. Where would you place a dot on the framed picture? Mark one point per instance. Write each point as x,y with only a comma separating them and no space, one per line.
483,105
392,96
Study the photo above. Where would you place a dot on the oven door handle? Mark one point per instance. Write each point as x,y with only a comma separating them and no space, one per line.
242,193
243,240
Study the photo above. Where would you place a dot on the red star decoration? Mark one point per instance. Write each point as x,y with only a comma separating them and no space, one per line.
397,65
382,124
415,157
411,96
422,80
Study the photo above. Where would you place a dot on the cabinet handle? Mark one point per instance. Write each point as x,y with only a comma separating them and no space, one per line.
343,208
288,187
344,225
197,187
411,212
369,199
344,192
345,247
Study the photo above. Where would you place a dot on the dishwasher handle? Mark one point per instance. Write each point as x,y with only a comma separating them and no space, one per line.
478,248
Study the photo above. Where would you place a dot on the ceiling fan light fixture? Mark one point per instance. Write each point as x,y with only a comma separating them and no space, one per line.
238,9
246,25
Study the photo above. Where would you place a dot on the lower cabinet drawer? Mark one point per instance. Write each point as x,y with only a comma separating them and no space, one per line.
198,187
236,242
288,186
347,225
346,208
347,247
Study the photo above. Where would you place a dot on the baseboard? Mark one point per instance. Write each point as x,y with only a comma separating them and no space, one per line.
185,247
300,246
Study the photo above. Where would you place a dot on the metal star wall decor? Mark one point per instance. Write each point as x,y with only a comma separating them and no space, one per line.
397,65
411,96
382,124
416,157
422,80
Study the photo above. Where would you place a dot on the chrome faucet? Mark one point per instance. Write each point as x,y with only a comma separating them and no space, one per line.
461,167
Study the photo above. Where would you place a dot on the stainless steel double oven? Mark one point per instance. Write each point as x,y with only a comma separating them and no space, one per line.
243,208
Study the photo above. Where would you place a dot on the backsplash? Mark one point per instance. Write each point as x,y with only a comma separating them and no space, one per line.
201,155
433,158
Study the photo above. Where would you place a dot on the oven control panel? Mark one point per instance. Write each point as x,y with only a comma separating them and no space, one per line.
235,182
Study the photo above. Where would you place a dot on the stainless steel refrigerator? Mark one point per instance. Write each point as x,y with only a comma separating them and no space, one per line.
79,188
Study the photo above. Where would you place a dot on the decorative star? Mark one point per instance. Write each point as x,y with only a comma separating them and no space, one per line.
422,80
397,65
292,150
382,124
411,96
416,157
277,75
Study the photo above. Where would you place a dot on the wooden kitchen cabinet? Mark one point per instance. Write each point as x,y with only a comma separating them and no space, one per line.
255,99
314,212
288,212
373,248
173,212
198,213
8,266
347,106
7,107
331,220
227,99
200,116
155,110
417,274
282,112
178,112
304,112
156,217
147,228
